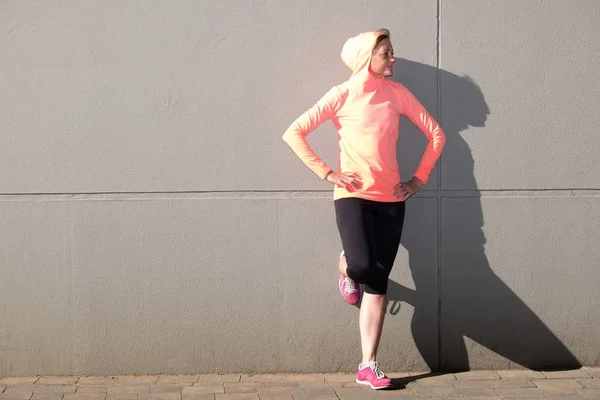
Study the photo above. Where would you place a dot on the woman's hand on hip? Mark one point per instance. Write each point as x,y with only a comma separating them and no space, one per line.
348,180
403,191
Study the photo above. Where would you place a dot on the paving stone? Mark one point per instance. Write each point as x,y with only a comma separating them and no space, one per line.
506,393
19,388
590,393
97,380
198,397
477,392
18,380
85,396
431,383
91,389
514,383
394,375
494,397
351,385
316,397
350,377
561,394
355,394
444,392
283,378
177,379
281,384
593,371
575,396
196,390
432,376
362,390
57,380
474,384
404,394
275,397
444,398
472,375
159,396
165,389
314,385
251,387
137,379
523,398
277,390
318,391
554,384
305,378
262,378
521,374
58,389
128,389
589,383
17,393
216,378
444,380
237,396
47,396
121,396
570,374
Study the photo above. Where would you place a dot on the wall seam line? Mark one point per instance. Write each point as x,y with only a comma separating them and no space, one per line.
439,191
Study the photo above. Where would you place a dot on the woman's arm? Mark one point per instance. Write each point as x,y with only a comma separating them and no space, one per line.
295,135
414,110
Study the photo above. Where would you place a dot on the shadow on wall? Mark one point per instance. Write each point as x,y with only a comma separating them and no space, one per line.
475,303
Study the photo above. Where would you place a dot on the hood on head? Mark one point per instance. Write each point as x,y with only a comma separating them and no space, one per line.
357,52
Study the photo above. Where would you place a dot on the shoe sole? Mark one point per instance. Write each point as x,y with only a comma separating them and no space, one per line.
373,387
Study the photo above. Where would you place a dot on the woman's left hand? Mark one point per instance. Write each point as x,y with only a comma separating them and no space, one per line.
403,191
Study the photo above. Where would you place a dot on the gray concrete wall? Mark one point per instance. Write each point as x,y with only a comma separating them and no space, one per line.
153,221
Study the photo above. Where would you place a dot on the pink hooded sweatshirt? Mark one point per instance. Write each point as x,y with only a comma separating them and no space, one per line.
366,112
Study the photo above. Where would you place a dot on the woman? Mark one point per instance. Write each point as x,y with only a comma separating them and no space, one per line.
368,193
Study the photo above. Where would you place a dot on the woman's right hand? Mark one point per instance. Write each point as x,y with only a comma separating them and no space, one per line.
348,180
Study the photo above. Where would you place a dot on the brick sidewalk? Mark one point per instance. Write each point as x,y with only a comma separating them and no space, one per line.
575,384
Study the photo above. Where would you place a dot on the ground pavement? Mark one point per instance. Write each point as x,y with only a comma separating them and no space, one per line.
582,383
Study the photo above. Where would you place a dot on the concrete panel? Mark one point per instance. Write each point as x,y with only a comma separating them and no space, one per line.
187,96
319,329
520,282
168,286
519,94
410,341
36,313
243,284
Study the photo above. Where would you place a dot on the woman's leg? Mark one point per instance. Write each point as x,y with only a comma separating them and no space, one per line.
370,233
389,219
354,218
372,314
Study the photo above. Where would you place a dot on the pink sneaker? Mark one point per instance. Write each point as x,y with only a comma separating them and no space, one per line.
348,288
371,375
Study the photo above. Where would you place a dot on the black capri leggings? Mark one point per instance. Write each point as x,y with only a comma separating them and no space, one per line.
370,233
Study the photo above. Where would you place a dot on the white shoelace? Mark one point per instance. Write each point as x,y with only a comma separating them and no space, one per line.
350,287
374,365
377,371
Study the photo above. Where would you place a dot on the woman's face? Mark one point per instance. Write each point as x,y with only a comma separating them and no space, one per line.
382,62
